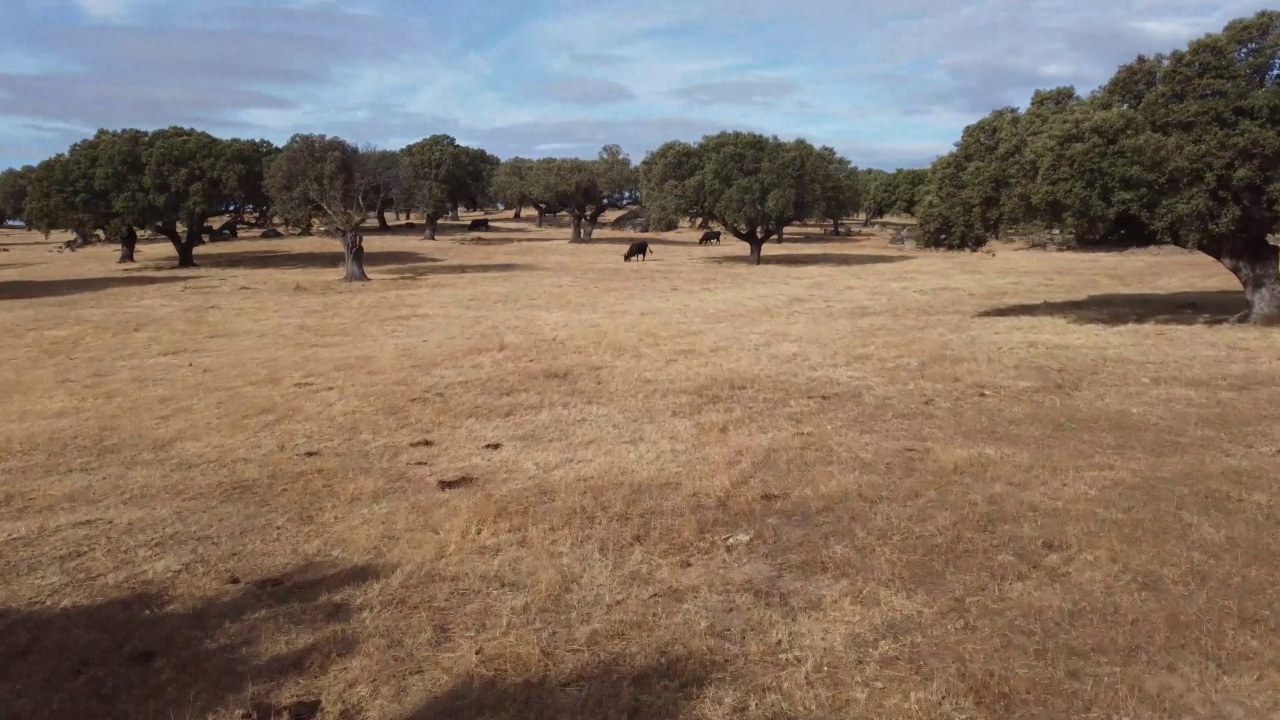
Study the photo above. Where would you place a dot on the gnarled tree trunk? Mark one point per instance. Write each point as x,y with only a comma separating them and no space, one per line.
128,242
429,228
453,211
576,236
519,209
780,231
184,246
382,219
1256,264
353,250
756,247
835,226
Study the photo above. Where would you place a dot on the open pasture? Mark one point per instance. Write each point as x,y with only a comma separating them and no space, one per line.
518,478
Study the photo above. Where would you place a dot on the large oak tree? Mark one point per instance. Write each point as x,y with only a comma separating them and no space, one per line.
752,185
322,177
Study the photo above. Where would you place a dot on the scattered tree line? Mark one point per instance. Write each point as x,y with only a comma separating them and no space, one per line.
173,181
1180,149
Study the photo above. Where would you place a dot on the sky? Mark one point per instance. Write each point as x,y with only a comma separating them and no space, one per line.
888,83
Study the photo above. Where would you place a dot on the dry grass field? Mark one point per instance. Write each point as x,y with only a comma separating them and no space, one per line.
519,478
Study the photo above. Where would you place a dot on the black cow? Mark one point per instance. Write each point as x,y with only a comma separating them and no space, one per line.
710,237
639,248
482,224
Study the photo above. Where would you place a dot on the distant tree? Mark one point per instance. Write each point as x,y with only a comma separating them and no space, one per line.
380,170
317,176
838,191
13,193
589,188
97,184
436,176
482,170
877,194
747,183
184,183
244,179
511,184
545,188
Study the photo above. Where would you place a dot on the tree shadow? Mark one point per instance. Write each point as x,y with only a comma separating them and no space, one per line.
1180,308
33,289
420,271
653,240
484,241
462,228
144,656
817,238
285,260
662,689
809,259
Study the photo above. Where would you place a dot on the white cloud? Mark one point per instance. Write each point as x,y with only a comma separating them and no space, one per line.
105,9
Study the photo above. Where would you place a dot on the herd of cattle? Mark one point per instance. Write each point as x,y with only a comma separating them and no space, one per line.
641,249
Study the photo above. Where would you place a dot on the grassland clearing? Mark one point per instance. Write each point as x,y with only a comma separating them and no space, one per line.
855,481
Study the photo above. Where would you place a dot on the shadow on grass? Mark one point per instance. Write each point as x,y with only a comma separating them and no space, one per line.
1181,308
810,259
420,271
33,289
142,655
663,689
285,260
626,240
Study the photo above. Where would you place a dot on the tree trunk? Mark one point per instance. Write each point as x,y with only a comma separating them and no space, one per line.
516,215
382,219
780,231
453,211
353,250
187,248
835,226
576,237
397,212
128,242
429,231
588,230
756,247
542,218
866,220
1256,263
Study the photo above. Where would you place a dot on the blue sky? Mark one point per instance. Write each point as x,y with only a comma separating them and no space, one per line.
889,83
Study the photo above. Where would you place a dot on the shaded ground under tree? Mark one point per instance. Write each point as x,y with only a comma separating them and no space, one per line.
660,689
33,289
1177,308
141,656
810,259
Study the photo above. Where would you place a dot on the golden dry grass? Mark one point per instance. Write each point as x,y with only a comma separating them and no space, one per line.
855,482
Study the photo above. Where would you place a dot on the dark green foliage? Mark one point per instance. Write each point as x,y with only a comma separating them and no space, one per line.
14,184
751,185
317,177
1181,148
437,175
900,192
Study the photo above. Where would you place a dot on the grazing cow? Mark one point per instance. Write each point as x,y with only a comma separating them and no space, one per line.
639,248
710,237
482,224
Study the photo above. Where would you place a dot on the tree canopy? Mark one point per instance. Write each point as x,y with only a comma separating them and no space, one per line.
1181,149
13,193
322,177
750,184
437,175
